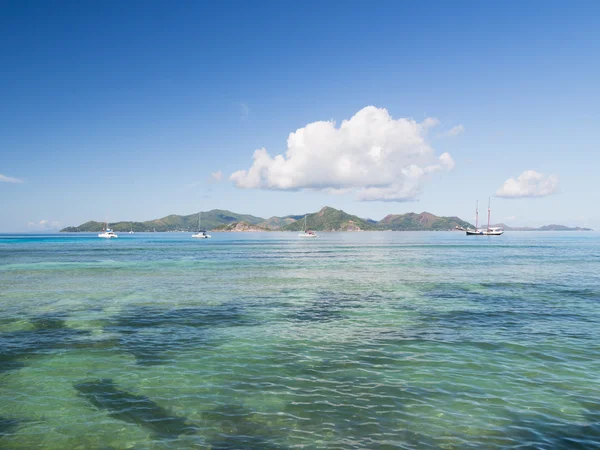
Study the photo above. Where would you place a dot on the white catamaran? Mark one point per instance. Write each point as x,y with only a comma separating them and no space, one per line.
307,233
201,234
108,233
489,231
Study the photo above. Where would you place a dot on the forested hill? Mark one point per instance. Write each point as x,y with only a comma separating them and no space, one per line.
326,219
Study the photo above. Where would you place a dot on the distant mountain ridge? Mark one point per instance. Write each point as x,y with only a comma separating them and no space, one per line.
421,222
209,220
551,227
326,219
275,223
330,219
239,227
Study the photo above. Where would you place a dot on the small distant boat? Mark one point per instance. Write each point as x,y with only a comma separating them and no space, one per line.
131,230
307,233
201,234
108,233
489,231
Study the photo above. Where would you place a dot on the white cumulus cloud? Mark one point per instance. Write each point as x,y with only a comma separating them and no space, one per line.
217,176
371,154
5,179
529,184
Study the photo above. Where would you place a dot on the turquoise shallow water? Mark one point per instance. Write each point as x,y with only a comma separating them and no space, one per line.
267,341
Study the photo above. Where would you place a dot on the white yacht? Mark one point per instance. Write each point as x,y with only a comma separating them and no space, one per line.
307,233
201,234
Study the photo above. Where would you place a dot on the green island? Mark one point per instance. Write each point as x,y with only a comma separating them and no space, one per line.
326,219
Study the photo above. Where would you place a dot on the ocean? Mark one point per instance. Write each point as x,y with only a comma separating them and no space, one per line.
413,340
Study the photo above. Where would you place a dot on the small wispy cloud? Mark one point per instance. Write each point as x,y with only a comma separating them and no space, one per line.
510,218
529,184
193,184
5,179
43,225
454,131
244,110
215,177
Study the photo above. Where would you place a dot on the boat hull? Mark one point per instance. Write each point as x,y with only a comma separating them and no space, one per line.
484,233
307,235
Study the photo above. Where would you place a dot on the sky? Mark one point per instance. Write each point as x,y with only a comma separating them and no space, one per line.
137,110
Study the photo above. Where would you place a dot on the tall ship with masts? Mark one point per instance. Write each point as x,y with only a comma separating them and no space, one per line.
489,231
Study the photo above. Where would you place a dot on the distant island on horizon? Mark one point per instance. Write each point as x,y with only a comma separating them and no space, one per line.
326,219
551,227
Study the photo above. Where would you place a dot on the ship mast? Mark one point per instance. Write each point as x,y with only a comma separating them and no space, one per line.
477,215
488,214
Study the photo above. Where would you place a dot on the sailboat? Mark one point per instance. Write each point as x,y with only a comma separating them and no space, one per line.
107,233
201,234
307,233
489,231
131,229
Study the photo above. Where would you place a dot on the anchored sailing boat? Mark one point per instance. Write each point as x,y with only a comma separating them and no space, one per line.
201,234
307,233
107,233
489,231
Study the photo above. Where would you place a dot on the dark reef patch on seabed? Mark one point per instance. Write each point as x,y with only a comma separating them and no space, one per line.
329,306
135,409
238,427
462,319
149,334
7,426
553,290
318,311
151,349
48,322
50,333
136,318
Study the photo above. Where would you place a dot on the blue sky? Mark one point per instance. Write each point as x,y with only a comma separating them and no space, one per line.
124,110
